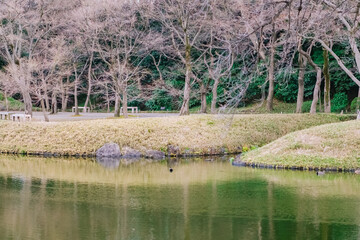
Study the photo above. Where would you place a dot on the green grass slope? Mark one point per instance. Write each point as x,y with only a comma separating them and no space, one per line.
332,145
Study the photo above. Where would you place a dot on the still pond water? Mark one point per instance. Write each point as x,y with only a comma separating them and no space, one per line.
82,199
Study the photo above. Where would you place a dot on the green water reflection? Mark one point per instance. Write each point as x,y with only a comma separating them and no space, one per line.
79,199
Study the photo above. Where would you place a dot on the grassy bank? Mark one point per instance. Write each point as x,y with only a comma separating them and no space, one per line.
328,146
195,135
14,105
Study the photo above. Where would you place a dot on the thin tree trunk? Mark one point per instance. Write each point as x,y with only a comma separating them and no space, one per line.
117,106
157,64
28,103
203,98
66,101
76,99
320,106
64,94
316,91
54,109
89,82
46,118
107,98
271,78
125,103
7,102
300,96
214,96
327,103
185,105
76,93
318,80
358,100
47,102
263,93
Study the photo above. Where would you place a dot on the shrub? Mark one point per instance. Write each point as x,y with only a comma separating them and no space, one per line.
160,99
306,106
339,102
355,104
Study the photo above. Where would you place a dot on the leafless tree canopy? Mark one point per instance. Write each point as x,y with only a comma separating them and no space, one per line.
117,51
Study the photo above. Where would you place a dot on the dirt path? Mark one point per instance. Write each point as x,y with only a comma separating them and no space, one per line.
68,116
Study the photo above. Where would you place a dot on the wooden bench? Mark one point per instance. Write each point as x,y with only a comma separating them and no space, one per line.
5,115
20,117
87,109
133,109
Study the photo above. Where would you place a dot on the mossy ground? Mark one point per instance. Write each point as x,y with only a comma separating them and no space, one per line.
196,134
331,145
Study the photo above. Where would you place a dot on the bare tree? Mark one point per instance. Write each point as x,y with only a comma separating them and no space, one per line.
183,20
348,12
119,46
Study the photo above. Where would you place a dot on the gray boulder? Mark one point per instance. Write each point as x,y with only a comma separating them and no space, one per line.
109,150
155,154
130,153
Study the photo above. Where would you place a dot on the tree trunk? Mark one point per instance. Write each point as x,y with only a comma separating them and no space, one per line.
64,94
316,91
89,83
28,103
358,100
7,102
327,102
54,109
263,93
76,99
76,93
214,96
117,106
320,106
271,78
125,103
318,80
107,98
300,96
46,118
47,102
66,102
185,105
203,98
158,69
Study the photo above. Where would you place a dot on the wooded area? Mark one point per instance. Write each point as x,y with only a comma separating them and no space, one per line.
177,54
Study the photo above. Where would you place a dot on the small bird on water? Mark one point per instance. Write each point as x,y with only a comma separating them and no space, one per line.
320,173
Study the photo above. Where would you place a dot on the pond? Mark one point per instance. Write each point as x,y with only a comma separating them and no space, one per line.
201,199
